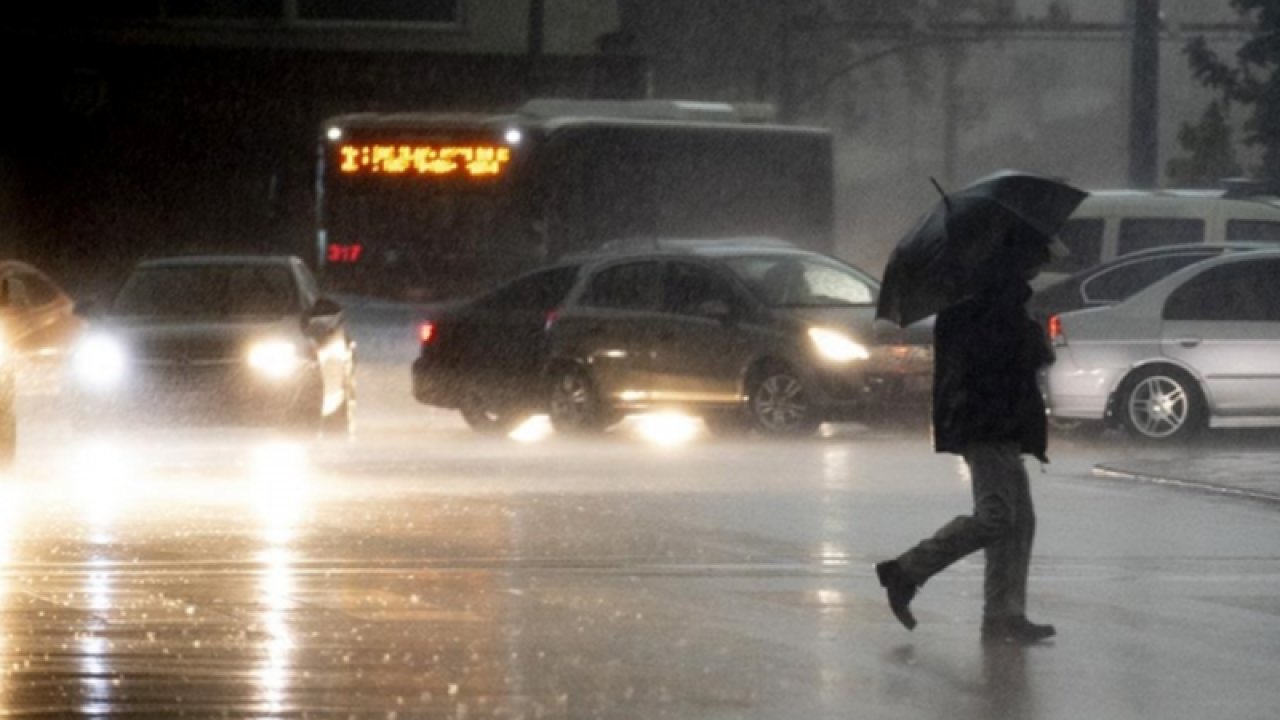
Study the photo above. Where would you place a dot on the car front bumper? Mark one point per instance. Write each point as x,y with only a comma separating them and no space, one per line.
198,394
894,377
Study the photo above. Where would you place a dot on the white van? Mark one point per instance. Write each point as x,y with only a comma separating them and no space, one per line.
1110,223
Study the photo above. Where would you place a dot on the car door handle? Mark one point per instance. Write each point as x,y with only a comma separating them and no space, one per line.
1189,342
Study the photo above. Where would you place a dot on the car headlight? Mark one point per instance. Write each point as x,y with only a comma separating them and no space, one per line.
836,346
275,359
99,362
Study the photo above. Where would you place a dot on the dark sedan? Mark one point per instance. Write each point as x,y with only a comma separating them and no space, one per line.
1118,279
485,356
220,339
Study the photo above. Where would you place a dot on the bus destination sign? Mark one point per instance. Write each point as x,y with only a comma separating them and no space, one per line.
475,161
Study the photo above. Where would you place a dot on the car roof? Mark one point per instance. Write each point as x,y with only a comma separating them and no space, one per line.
1162,251
1154,293
1129,199
709,247
203,260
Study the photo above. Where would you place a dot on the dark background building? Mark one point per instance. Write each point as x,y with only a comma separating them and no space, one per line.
136,128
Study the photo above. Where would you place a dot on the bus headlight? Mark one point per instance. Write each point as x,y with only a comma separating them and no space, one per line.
99,362
274,359
836,346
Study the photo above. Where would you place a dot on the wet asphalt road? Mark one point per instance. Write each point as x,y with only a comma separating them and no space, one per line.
421,571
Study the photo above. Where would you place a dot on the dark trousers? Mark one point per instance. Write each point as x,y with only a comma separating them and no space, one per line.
1003,524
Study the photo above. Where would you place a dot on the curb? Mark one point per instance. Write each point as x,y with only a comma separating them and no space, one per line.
1110,471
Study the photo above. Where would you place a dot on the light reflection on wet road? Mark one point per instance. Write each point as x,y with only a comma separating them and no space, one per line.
422,571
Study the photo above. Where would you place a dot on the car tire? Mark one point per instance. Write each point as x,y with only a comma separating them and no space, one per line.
778,402
488,417
1162,404
574,404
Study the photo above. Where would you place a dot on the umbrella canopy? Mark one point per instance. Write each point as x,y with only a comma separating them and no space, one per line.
952,251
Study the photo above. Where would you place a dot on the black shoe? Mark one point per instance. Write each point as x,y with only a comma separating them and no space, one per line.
900,589
1017,630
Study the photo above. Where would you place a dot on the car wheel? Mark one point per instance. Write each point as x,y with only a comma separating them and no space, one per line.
1162,404
489,417
779,404
575,405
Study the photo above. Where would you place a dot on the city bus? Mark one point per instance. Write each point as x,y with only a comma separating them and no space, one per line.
433,206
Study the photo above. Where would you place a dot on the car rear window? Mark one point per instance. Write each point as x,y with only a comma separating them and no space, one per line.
631,286
1118,283
541,291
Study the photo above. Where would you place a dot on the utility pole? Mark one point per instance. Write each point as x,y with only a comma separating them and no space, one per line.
1144,95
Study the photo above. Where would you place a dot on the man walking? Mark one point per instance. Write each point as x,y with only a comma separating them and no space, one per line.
987,408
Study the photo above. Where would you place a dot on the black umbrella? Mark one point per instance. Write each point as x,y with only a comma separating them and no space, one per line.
951,253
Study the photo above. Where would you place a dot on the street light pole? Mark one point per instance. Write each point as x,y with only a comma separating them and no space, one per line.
1144,95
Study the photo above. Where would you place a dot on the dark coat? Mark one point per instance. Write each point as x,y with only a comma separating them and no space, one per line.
987,353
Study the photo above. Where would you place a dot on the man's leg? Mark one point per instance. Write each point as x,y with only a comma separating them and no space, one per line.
1009,563
1009,558
992,519
994,514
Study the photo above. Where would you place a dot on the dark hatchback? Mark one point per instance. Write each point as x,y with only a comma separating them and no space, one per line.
746,334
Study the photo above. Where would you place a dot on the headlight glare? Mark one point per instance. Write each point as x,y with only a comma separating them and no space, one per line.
837,346
276,359
99,362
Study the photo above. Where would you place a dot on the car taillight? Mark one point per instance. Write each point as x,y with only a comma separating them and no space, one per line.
426,332
1056,335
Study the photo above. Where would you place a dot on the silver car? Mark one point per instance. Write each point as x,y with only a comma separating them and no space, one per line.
1199,348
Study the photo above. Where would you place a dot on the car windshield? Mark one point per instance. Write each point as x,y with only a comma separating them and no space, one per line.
220,291
803,281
